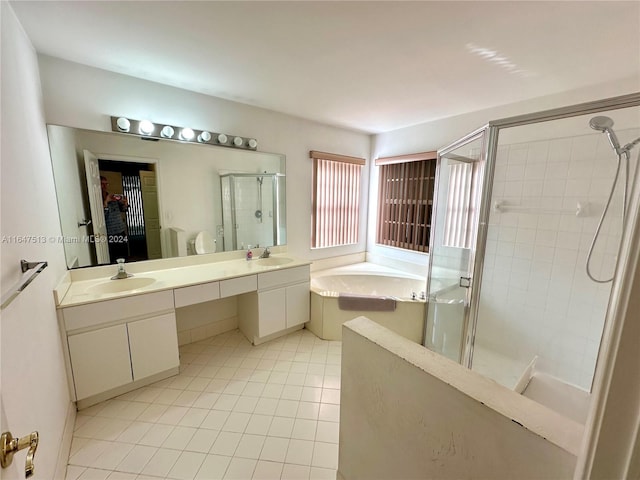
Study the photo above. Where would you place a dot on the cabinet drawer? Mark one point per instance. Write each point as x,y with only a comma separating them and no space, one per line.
93,314
236,286
196,294
283,277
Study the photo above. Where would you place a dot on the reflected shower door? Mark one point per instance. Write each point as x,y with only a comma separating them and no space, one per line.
452,245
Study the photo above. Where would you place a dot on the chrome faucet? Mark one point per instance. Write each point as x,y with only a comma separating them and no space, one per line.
122,273
265,253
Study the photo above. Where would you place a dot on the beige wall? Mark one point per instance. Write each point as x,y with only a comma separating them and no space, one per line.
35,394
406,412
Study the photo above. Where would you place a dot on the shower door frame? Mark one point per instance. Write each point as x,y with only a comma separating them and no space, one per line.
469,308
490,148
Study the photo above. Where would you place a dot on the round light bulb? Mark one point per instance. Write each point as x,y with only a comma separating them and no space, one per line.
237,141
253,143
123,124
146,127
204,137
167,131
186,134
222,138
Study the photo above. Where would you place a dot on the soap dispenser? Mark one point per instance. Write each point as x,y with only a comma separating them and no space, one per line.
249,253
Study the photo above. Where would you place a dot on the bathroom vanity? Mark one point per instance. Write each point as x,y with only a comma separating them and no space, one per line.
119,335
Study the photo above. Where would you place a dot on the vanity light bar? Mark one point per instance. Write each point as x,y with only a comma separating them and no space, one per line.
156,131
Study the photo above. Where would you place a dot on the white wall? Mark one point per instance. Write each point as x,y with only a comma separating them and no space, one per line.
85,97
408,413
35,394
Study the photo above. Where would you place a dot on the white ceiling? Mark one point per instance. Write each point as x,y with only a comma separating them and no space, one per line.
369,66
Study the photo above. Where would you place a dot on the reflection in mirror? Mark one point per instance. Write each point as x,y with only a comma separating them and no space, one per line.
167,194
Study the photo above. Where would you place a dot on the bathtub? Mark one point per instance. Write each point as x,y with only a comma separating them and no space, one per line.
381,284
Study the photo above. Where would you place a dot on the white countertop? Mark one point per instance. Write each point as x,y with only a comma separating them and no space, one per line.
80,292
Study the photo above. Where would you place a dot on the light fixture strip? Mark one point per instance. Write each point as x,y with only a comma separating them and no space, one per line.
161,132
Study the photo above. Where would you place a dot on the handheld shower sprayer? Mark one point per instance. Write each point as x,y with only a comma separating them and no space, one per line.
604,124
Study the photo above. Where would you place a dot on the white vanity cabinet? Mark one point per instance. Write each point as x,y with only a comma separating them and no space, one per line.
280,305
117,345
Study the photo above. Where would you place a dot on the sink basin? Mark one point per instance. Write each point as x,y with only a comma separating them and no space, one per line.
124,285
273,261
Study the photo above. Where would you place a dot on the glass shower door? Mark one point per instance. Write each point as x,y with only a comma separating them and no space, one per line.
452,246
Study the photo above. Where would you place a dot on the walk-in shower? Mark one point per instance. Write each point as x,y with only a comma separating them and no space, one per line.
253,210
516,290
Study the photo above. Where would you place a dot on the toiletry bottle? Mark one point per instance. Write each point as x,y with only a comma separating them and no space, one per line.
249,253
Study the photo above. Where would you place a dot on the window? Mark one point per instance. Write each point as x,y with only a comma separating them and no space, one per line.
461,204
336,199
405,200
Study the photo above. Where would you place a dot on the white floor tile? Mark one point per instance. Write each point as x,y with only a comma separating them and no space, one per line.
161,463
250,446
259,424
329,412
237,422
187,466
325,455
186,398
304,429
156,435
267,470
226,443
253,389
94,474
179,438
206,400
137,459
295,472
299,452
112,456
194,417
215,420
327,432
246,404
287,408
281,427
213,467
330,395
317,473
308,410
202,440
272,390
226,402
266,406
89,452
274,449
311,394
240,469
73,472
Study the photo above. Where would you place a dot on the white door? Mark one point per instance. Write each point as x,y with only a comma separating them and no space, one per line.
97,207
151,212
272,311
154,345
100,360
298,300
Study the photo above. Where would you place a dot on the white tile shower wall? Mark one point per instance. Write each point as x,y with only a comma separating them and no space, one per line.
536,298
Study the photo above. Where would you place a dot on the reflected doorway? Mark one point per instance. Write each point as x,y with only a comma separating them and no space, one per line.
138,183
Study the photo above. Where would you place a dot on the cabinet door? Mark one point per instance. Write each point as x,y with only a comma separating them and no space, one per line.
154,345
298,298
100,360
272,311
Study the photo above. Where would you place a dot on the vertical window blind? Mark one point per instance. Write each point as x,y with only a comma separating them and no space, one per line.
405,200
461,205
336,199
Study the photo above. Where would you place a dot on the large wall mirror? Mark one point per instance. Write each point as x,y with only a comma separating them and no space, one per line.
171,198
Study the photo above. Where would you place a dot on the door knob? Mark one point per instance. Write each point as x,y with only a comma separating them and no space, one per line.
9,446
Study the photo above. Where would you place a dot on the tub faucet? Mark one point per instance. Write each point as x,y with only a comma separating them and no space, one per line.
122,273
266,252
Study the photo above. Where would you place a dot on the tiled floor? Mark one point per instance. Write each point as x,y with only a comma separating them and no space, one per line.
235,412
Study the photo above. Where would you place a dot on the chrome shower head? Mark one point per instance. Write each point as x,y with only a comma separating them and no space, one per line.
604,124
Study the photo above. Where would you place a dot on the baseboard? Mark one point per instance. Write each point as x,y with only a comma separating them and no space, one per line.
65,443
